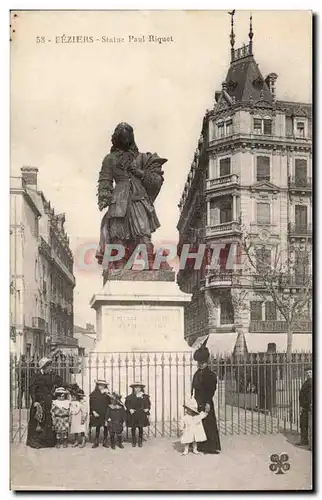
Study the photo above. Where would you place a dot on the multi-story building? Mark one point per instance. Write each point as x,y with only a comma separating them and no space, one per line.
86,338
251,172
42,279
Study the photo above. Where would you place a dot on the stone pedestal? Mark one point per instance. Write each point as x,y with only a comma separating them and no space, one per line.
140,311
140,336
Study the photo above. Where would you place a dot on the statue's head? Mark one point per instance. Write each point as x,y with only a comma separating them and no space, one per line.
123,137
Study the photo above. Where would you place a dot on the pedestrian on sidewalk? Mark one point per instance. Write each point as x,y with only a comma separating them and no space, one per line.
305,400
40,426
99,401
115,417
60,412
138,408
78,415
191,425
204,384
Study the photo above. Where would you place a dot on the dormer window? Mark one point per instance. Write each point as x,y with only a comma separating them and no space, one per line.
300,129
225,129
263,126
229,127
221,129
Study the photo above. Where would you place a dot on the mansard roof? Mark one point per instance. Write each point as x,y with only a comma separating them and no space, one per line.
244,81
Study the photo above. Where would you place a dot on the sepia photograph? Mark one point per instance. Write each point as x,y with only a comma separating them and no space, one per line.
161,227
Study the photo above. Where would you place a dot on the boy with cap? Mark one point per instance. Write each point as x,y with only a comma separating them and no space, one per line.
115,417
138,408
98,402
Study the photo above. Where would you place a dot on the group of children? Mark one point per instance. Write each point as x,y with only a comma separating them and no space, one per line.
106,410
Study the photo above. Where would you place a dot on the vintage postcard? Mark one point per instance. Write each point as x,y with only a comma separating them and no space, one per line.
160,250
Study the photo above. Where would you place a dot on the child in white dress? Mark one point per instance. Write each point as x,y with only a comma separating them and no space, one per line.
191,425
78,416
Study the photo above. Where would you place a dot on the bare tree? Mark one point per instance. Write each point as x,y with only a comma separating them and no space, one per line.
283,274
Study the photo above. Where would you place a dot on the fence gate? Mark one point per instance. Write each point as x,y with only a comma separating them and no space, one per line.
255,393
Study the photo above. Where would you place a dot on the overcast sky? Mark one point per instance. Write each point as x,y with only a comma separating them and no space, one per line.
67,98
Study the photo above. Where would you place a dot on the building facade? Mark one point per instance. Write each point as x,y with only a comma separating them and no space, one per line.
86,338
42,280
251,172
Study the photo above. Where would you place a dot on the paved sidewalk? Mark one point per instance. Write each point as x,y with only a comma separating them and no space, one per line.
242,465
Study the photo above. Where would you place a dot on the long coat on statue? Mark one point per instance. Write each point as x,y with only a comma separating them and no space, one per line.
204,384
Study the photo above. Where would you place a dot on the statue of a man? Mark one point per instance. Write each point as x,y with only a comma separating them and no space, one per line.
128,185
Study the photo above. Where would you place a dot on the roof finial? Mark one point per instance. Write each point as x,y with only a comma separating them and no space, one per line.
251,34
232,34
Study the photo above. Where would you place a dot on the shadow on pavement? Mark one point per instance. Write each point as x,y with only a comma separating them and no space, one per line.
293,438
177,446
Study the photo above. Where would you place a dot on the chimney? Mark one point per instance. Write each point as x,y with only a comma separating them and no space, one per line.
270,80
29,176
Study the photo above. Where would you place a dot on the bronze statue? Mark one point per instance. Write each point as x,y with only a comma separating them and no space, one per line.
128,185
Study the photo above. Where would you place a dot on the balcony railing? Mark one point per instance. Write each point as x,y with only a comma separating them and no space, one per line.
220,182
300,183
273,326
38,323
64,340
222,229
299,230
44,247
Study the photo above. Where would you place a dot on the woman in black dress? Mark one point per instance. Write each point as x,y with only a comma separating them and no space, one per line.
204,384
40,426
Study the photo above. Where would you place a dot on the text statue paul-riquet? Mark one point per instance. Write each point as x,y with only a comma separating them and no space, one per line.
128,185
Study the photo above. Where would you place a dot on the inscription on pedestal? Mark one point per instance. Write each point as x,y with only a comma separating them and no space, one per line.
141,327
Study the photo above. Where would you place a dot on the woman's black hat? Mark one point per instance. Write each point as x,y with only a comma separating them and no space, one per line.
202,354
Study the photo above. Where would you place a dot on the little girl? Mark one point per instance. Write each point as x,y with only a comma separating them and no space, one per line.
78,416
115,417
60,411
138,408
191,425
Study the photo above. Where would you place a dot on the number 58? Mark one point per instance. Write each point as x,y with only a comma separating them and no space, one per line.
40,39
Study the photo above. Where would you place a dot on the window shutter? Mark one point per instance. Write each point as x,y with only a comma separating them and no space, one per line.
270,311
263,168
224,167
263,213
267,127
300,171
255,310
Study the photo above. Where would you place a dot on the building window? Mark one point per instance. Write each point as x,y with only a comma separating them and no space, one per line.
224,167
267,126
226,312
226,213
220,129
300,217
263,259
300,129
270,311
263,126
300,172
229,127
255,310
263,168
263,213
36,270
257,126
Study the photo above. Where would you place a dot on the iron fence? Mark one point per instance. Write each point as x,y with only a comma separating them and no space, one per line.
256,393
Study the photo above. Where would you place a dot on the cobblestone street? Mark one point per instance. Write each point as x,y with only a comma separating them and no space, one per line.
242,465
